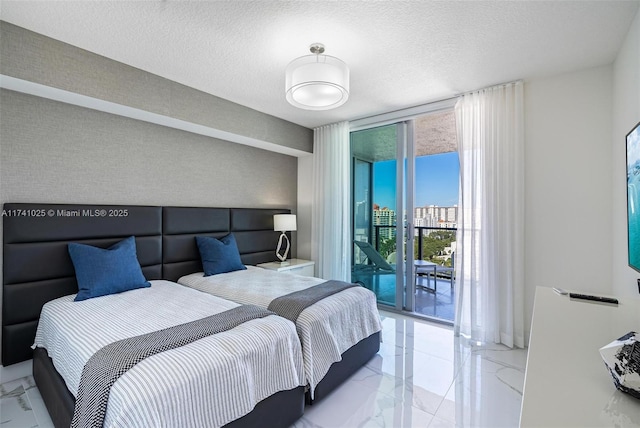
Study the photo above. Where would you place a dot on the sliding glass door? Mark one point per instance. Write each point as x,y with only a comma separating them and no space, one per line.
404,188
378,211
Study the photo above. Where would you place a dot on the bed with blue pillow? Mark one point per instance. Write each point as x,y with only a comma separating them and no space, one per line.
213,249
326,329
75,282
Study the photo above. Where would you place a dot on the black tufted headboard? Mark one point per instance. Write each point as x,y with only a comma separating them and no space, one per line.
37,267
252,228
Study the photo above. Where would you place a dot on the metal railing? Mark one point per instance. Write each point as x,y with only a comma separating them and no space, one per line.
420,229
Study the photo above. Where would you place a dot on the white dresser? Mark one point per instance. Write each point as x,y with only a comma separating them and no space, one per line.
566,382
295,266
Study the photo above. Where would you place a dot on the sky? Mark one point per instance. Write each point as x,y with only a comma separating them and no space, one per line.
437,178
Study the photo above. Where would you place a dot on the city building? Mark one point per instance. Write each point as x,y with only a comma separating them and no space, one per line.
435,216
385,217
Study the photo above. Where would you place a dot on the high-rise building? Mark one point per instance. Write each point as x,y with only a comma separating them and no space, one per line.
451,215
435,216
385,217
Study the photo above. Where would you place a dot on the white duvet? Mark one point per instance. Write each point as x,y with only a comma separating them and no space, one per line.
210,382
326,329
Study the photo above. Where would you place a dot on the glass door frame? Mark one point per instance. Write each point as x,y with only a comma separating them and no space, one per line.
404,228
401,146
405,165
355,159
380,282
409,177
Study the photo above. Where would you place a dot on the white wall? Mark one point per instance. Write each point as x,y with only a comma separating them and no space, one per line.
626,113
568,183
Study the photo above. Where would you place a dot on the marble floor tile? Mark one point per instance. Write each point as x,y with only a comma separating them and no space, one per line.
356,405
485,393
15,408
422,377
37,404
501,354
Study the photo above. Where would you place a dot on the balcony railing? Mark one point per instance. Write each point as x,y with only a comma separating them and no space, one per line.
420,229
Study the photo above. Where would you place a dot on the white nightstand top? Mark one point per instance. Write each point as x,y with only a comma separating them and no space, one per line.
293,264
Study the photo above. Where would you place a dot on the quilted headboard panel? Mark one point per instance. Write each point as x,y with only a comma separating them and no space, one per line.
252,227
37,267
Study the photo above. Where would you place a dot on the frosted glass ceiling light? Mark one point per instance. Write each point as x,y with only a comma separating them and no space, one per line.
317,82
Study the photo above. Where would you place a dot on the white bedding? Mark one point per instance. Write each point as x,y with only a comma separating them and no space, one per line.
326,329
210,382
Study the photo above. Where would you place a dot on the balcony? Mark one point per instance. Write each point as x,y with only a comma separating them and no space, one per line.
434,297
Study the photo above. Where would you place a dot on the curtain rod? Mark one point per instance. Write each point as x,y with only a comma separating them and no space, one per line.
412,112
489,87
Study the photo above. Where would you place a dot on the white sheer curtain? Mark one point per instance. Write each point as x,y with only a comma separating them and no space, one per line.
330,232
490,255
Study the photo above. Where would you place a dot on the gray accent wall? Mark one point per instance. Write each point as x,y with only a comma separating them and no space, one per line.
58,153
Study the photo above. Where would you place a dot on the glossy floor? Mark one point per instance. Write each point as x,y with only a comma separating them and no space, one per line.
425,377
21,405
422,377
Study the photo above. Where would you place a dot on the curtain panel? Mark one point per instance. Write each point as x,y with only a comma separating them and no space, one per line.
331,232
490,256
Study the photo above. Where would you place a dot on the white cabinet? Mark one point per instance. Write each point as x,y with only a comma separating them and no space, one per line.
567,383
294,266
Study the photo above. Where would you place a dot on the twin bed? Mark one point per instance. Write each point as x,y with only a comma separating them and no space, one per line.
252,375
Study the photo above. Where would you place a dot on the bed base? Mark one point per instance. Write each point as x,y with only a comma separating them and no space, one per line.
352,360
281,409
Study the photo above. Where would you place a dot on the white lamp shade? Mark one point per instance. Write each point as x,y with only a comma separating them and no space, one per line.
317,82
284,222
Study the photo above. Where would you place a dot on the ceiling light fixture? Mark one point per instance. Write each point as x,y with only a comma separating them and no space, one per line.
317,81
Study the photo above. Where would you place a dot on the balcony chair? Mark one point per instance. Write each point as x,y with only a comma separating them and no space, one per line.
378,262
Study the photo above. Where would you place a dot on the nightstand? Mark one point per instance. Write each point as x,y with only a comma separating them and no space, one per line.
295,266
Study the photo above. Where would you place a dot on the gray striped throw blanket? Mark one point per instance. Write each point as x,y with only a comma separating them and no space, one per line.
105,366
291,305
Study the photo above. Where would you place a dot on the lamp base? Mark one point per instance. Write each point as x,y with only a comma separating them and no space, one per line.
285,263
283,257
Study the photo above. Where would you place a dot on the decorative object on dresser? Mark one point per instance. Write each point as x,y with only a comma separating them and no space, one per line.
622,358
284,223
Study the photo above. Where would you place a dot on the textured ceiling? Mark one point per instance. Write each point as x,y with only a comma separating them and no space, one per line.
401,53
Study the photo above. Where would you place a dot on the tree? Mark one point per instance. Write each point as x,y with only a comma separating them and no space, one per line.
434,244
387,246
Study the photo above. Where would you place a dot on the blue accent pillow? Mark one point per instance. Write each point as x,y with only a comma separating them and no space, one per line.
102,271
219,255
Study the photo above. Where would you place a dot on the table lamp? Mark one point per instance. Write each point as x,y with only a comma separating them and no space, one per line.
284,223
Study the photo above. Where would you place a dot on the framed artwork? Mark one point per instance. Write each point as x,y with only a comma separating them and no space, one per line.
633,196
